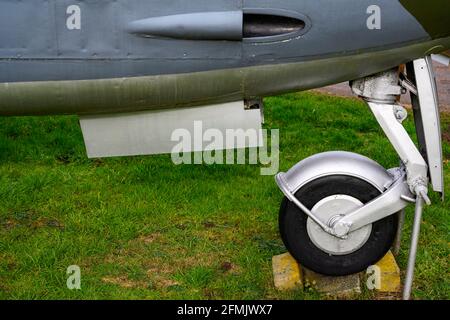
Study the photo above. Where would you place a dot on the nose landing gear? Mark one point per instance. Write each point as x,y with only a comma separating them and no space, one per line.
321,251
341,210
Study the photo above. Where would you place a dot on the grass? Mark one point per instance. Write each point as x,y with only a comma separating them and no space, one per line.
143,228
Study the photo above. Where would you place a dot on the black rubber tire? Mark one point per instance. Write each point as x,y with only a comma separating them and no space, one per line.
292,223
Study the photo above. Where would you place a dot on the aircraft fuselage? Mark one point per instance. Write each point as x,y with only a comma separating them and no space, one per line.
90,57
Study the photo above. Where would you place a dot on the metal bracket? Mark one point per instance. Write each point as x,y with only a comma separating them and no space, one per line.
381,92
407,84
393,200
396,198
426,115
382,87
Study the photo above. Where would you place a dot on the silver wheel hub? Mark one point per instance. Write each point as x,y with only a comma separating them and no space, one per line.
327,209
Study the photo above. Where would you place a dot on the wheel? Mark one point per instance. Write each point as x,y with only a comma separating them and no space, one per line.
323,253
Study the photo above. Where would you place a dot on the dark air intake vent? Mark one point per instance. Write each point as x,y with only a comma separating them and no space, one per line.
266,25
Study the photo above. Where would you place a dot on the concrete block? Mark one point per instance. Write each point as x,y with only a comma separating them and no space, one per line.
390,281
339,287
286,272
289,275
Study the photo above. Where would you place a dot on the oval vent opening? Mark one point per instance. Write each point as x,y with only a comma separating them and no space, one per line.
266,25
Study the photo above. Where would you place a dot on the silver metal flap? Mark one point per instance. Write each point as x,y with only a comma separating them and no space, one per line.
157,132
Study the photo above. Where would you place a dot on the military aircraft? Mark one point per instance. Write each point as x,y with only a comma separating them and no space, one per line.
134,70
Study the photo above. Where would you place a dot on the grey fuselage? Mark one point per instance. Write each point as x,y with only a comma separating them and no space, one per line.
100,56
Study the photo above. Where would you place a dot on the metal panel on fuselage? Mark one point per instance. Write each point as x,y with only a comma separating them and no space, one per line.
337,27
35,40
37,45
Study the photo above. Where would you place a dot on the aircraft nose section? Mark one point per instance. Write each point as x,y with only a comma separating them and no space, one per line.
433,15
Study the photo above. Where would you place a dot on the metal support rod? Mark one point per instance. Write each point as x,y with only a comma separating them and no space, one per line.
398,237
413,249
312,216
279,178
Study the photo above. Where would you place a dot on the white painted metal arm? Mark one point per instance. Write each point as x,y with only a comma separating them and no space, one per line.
416,167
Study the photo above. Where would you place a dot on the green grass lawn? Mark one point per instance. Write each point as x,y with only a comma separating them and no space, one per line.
143,228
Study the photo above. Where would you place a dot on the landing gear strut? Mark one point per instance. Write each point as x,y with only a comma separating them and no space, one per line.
341,210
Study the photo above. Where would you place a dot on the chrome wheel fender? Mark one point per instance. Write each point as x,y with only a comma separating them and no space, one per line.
334,163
